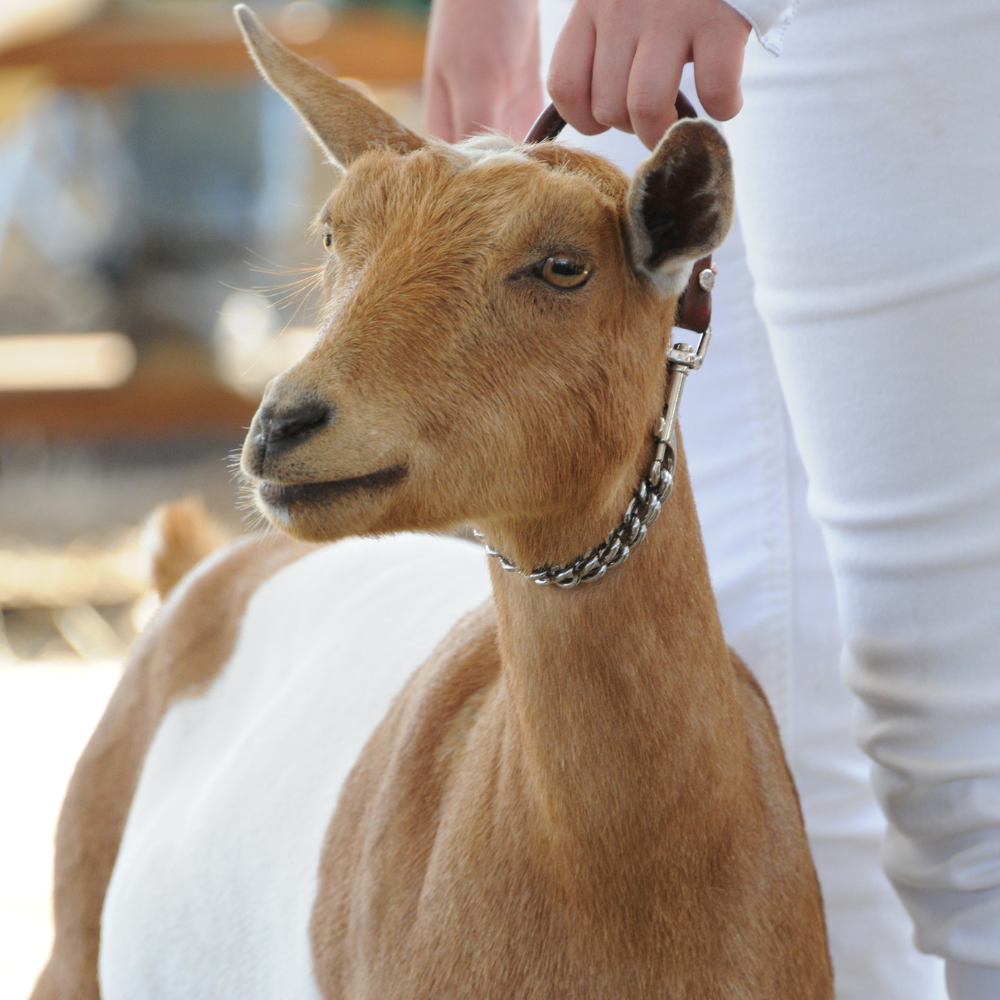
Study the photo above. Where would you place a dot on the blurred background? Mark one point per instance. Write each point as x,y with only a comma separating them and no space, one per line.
155,268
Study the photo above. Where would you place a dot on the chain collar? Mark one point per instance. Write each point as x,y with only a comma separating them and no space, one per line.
653,491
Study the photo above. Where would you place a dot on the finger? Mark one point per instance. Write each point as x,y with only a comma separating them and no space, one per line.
614,51
437,108
570,73
652,87
718,66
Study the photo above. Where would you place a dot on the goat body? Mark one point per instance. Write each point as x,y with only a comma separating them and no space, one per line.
307,784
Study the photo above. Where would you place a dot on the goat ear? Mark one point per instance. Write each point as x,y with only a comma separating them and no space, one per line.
343,121
680,202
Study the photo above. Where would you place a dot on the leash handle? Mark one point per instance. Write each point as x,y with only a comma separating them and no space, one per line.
547,126
694,308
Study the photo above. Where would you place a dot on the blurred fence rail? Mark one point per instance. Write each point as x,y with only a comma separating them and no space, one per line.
74,575
129,47
138,409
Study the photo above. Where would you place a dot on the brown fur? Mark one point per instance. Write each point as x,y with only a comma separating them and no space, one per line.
328,107
181,535
580,794
178,656
577,796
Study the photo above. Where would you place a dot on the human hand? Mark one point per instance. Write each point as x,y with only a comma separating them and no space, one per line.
618,63
482,67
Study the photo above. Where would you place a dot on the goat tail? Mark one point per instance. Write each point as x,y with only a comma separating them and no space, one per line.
178,536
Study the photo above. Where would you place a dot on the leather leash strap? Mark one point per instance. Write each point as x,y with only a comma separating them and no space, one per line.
694,309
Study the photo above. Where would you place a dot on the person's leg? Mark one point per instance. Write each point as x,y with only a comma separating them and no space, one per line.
776,598
868,176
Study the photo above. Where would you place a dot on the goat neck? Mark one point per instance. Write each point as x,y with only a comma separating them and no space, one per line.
623,693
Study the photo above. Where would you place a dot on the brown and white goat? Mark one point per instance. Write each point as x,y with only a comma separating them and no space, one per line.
311,782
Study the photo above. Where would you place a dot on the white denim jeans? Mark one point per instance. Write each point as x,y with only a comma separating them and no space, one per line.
868,182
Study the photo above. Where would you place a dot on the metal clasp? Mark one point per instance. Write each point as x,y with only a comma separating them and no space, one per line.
682,359
686,355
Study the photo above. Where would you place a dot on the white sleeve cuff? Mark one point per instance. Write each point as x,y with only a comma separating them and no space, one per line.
770,19
972,982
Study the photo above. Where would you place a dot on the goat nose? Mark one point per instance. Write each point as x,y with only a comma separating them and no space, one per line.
291,425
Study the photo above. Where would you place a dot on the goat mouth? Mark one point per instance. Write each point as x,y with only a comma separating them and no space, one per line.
279,495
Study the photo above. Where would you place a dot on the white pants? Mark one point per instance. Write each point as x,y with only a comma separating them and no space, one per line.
868,180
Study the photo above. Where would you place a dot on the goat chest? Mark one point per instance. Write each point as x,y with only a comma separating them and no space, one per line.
217,873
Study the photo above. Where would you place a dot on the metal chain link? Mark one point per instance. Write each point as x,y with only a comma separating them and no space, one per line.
645,506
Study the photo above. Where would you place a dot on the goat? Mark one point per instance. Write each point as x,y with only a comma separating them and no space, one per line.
311,782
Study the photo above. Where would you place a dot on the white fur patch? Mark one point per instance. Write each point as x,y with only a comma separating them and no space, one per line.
490,146
673,278
215,880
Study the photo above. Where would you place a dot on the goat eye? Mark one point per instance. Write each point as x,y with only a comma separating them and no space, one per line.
564,272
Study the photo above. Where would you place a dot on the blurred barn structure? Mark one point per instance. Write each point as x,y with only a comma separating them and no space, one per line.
154,269
155,264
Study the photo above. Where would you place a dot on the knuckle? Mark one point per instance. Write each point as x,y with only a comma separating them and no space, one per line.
609,112
647,107
566,89
614,10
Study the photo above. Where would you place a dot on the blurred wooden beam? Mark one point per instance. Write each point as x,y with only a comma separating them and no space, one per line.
138,409
126,48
